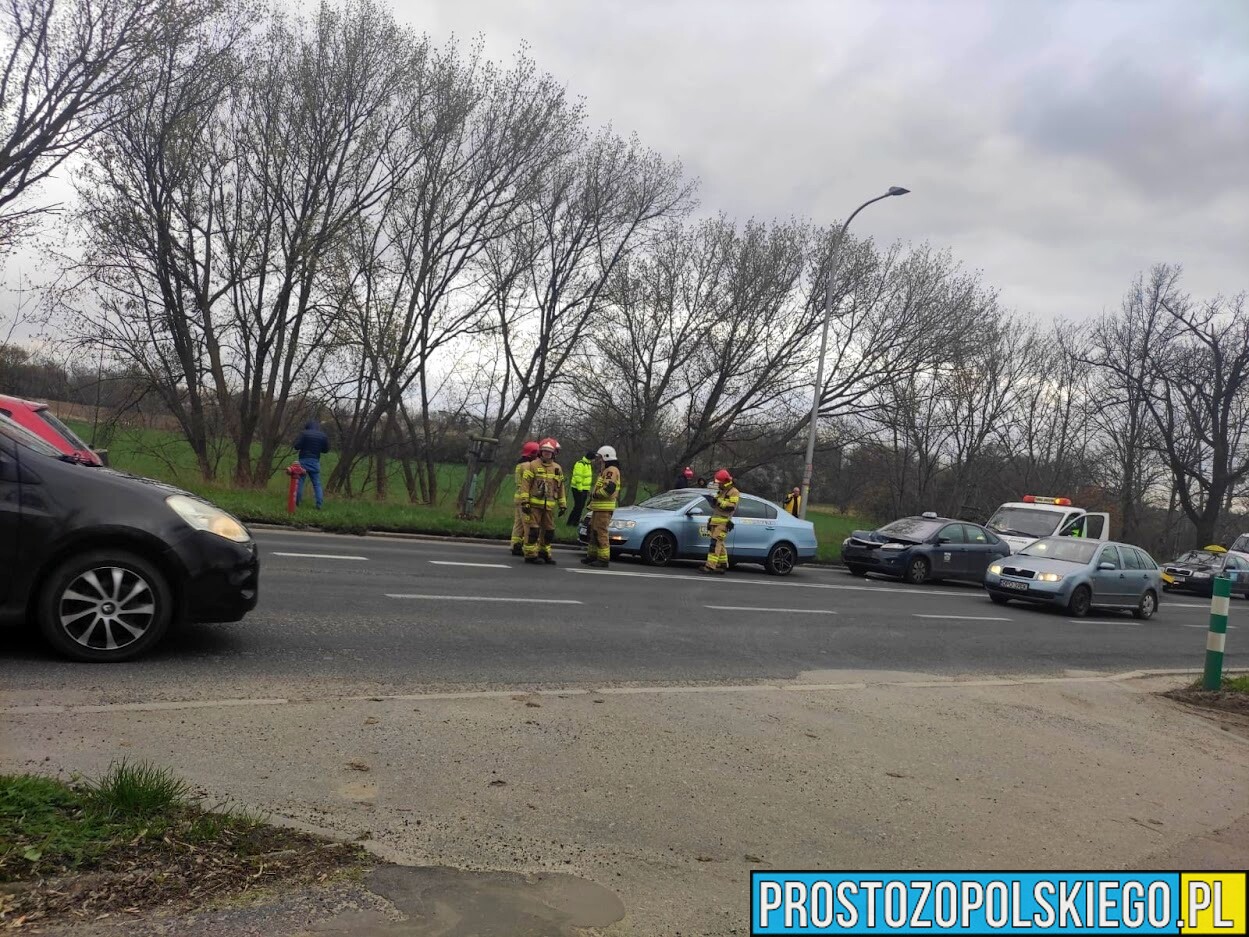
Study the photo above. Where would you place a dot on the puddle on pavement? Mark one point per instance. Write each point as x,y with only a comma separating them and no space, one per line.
442,902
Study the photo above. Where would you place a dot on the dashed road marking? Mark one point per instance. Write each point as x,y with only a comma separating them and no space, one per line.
963,617
321,556
750,608
738,581
1103,621
480,598
479,565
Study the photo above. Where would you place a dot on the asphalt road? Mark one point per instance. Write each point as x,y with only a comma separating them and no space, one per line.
351,611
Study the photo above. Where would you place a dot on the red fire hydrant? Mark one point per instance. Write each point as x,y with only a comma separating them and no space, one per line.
296,472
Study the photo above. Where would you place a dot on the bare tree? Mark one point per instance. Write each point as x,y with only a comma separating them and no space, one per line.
549,276
659,308
484,138
65,65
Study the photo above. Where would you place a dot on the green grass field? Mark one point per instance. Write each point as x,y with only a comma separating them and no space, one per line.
164,455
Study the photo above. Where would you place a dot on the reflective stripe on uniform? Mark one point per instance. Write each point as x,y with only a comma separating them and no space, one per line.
601,500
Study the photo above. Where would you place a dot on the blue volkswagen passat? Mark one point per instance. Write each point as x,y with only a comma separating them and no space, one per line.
673,526
1078,575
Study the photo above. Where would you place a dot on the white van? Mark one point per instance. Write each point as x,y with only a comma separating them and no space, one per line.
1020,523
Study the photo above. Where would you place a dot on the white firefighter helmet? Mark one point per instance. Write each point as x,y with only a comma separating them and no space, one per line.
608,453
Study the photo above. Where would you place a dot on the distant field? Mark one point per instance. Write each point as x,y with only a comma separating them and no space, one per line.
165,455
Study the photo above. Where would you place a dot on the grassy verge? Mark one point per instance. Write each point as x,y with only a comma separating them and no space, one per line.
1232,696
132,840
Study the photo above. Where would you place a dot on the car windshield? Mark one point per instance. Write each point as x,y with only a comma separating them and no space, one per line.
1025,522
1199,557
670,500
24,437
1069,550
911,528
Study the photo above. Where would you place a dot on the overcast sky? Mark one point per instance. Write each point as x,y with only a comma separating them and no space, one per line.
1060,147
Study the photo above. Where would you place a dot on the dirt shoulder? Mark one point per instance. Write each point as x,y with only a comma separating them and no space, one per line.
667,797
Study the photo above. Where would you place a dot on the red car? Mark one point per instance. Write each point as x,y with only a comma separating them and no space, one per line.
41,421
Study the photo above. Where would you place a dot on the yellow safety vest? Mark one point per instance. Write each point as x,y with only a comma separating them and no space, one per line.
606,490
543,485
582,475
792,503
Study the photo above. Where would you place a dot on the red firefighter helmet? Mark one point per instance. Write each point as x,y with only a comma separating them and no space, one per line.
529,450
723,476
549,443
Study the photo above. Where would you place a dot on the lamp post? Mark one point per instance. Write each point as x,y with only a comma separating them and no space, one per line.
819,368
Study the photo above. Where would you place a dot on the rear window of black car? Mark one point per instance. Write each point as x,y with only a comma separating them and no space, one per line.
24,437
912,528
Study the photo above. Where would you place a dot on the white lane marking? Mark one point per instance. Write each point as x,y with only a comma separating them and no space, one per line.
1181,605
321,556
794,611
963,617
480,598
1207,627
1103,621
738,581
481,565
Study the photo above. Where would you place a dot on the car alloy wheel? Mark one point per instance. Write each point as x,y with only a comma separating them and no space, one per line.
107,608
781,560
658,549
1149,605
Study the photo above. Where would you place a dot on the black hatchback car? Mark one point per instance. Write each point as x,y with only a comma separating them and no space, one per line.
922,548
103,563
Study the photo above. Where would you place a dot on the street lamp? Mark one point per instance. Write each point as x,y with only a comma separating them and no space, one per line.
819,369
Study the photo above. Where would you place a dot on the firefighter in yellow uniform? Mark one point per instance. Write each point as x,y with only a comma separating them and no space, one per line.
520,522
603,499
543,487
723,504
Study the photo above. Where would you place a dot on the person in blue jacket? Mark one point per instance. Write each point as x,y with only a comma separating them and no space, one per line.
311,444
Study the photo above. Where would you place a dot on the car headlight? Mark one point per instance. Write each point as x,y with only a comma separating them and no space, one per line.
996,569
1201,576
622,525
1049,577
893,546
203,516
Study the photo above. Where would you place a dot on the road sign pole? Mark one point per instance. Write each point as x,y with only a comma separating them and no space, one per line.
1216,637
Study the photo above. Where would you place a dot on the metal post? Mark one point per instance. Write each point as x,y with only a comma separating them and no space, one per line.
834,256
1216,637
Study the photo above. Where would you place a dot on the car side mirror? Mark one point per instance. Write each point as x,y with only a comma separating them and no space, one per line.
697,511
941,540
1107,566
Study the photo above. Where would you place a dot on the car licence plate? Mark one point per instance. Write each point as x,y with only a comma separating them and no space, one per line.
1016,586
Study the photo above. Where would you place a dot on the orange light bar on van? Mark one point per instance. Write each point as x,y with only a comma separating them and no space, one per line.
1033,499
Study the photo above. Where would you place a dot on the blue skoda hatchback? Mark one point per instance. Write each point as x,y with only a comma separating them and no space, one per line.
673,526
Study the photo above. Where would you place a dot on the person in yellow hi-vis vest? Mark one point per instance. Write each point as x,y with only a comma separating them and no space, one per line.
603,499
723,505
520,520
543,486
793,502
